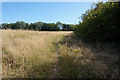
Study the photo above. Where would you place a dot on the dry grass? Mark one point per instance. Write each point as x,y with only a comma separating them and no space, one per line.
28,53
34,54
81,59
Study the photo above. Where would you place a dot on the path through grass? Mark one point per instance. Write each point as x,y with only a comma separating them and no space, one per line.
29,54
37,54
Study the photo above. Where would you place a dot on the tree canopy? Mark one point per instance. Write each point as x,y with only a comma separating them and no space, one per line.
101,23
39,26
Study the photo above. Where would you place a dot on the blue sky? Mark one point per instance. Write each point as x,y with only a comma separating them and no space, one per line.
49,12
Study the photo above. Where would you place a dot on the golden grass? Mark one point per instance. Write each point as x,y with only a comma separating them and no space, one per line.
28,53
44,54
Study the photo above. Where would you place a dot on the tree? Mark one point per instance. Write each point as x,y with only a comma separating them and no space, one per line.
100,23
20,25
5,26
38,25
68,27
12,26
59,24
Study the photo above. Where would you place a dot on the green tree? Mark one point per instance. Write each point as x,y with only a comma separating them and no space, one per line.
5,26
59,24
20,25
100,23
38,25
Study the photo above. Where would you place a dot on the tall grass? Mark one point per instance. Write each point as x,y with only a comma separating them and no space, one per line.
28,54
37,54
81,59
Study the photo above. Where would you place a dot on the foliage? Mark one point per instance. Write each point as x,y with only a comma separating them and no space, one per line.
19,25
67,27
39,26
100,23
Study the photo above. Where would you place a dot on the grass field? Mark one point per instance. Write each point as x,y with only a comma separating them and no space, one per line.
42,54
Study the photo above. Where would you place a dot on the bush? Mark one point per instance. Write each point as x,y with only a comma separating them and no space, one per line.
100,23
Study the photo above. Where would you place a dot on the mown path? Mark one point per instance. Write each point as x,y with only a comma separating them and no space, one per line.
55,68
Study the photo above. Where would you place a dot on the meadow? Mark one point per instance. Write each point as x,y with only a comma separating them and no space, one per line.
56,54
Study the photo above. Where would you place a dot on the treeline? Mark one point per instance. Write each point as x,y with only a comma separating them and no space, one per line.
39,26
101,23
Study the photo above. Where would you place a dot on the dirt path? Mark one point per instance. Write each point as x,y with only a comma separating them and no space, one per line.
55,69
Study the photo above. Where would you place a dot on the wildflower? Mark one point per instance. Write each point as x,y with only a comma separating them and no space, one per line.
75,51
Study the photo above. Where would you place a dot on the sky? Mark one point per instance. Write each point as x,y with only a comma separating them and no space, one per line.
48,12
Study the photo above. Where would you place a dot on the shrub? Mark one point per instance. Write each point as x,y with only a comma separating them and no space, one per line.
100,23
